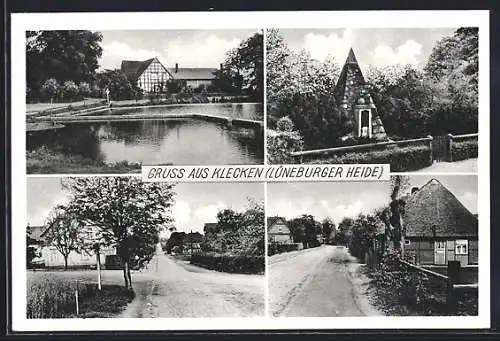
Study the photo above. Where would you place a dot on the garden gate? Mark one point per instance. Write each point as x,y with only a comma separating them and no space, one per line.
440,148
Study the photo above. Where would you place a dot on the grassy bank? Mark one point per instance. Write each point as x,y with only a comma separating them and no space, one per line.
50,297
44,161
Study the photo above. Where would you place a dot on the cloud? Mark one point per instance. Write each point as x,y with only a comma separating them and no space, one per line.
334,45
208,214
41,213
114,52
406,53
469,200
181,212
199,53
207,52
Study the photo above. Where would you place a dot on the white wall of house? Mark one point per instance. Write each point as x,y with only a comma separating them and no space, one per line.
195,83
54,258
280,238
154,74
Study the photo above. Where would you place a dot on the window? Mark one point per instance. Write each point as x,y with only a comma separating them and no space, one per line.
461,247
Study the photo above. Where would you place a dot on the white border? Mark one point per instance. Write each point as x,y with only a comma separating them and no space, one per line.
20,22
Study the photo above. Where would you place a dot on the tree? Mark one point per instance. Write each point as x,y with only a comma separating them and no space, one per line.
50,89
327,227
364,229
282,142
62,55
126,212
392,216
63,230
176,239
119,86
344,234
243,68
304,230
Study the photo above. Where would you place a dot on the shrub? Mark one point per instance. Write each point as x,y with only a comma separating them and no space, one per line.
274,248
462,150
70,90
84,89
229,263
284,141
50,89
401,159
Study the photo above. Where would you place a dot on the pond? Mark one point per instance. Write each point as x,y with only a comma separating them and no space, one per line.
163,141
251,111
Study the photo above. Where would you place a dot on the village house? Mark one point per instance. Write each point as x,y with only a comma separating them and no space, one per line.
277,231
50,257
438,227
352,94
151,76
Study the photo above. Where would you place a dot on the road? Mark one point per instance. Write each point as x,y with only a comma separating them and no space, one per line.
182,290
317,282
464,166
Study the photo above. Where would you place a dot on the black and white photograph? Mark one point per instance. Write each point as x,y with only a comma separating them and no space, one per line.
407,247
110,101
115,247
403,96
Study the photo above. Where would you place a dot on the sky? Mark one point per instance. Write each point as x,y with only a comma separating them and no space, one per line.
188,48
348,199
372,46
195,204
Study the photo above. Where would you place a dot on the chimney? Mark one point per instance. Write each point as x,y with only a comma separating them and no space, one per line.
414,189
176,67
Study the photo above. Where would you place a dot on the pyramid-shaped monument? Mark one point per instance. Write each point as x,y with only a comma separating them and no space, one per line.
355,102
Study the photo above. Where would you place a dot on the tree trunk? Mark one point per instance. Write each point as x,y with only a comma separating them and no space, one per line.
129,277
99,286
125,270
65,262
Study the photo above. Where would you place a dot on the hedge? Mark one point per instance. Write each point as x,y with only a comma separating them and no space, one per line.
280,248
402,159
462,150
229,263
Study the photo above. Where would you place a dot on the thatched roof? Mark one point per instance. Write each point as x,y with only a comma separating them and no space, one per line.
273,220
433,211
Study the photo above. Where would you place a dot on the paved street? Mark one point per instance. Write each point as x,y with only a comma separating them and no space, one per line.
182,290
317,282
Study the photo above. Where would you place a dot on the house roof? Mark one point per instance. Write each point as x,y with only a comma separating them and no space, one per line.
209,227
133,68
433,211
192,73
273,220
36,232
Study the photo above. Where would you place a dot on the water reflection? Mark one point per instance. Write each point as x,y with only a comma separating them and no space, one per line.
251,111
187,142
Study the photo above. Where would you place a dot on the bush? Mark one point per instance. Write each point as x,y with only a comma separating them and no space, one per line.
70,90
50,89
274,248
229,263
401,159
283,142
462,150
84,89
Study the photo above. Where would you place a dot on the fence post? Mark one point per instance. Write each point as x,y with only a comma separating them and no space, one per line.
430,147
453,278
450,147
76,299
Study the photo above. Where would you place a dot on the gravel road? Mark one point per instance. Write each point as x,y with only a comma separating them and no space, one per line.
316,282
182,290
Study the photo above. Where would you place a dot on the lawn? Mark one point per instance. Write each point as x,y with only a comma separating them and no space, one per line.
37,107
51,294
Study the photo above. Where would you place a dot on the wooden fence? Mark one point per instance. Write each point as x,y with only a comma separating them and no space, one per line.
450,283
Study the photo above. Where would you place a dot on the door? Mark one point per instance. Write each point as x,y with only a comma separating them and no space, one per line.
440,252
365,123
440,148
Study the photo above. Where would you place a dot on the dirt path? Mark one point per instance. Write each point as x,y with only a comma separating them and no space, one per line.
186,291
464,166
317,283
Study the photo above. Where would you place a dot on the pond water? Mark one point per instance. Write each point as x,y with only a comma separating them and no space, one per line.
251,111
166,141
